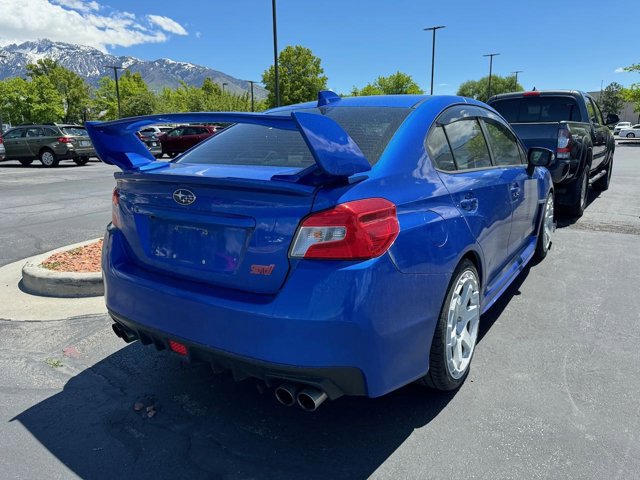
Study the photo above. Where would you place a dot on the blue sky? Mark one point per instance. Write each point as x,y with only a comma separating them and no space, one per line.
557,44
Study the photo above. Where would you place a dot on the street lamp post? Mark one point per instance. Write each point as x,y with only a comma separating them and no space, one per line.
252,103
516,80
490,55
224,84
275,52
2,55
433,51
115,74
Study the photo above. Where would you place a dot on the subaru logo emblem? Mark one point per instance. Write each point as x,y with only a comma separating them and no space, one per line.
183,196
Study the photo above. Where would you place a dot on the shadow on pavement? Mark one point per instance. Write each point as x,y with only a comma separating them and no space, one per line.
211,427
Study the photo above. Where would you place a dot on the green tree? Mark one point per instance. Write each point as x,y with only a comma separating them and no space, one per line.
632,94
35,101
135,97
612,100
479,89
301,76
397,84
73,90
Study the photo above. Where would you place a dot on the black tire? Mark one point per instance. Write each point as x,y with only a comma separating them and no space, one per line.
580,193
631,135
26,163
48,158
543,245
80,161
602,184
439,376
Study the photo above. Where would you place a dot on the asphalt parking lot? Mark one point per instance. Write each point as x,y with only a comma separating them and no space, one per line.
553,390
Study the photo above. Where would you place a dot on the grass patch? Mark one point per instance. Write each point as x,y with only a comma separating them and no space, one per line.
54,362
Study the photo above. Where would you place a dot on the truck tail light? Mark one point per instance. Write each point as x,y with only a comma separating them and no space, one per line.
356,230
564,142
115,208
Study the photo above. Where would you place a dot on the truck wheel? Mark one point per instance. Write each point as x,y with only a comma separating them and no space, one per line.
456,333
48,158
546,229
580,194
26,163
602,184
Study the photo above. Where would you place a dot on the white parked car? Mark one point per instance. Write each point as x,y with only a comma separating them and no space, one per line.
619,126
630,132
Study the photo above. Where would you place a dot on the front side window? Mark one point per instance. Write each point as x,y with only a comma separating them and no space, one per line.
17,133
175,133
504,146
468,144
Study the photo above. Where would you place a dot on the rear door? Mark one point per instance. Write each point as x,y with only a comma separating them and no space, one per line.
523,190
35,140
479,189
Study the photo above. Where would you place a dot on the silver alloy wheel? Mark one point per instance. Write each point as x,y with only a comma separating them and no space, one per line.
463,319
47,158
583,190
548,222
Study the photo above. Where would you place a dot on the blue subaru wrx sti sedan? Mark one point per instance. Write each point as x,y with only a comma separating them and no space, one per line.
341,247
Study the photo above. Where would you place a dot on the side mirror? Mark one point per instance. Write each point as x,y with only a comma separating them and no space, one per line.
540,157
612,119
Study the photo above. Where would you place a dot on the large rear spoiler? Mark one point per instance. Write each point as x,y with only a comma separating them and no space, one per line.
336,154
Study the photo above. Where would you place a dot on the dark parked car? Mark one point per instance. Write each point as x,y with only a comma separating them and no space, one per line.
182,138
150,139
2,150
49,143
570,123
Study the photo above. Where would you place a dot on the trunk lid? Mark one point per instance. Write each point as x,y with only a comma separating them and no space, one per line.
204,225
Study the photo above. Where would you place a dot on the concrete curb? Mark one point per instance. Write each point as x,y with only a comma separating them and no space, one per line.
38,280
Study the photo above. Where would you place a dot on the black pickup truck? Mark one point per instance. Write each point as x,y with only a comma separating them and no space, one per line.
571,124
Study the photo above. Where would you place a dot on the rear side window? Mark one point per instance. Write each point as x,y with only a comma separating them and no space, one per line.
242,144
439,151
74,131
468,144
504,146
49,132
34,132
538,109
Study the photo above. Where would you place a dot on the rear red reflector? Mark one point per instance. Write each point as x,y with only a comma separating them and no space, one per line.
178,347
356,230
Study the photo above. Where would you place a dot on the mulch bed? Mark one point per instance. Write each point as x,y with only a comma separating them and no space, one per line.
81,260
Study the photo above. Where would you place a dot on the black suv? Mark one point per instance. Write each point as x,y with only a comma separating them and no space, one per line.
49,143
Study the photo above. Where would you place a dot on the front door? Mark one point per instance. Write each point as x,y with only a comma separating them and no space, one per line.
16,145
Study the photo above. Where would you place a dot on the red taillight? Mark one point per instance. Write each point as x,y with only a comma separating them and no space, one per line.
563,149
115,208
355,230
178,347
531,94
65,140
1,141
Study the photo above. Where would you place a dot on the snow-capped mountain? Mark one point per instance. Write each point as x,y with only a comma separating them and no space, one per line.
90,64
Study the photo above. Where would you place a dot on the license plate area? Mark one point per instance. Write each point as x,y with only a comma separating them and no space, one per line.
211,248
85,143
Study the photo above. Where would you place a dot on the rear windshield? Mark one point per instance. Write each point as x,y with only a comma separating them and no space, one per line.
538,109
75,131
242,144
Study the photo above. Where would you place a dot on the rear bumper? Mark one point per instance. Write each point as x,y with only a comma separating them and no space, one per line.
70,154
351,328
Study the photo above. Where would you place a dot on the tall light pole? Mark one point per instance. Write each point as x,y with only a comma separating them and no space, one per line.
115,74
252,103
275,52
2,55
515,87
224,84
490,55
433,51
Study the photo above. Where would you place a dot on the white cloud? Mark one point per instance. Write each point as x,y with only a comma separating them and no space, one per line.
198,34
619,70
166,24
81,22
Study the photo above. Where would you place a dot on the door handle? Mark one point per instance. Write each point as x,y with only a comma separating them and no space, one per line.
469,203
515,190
